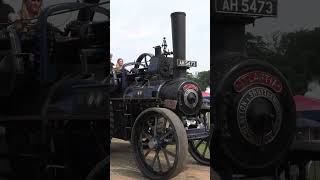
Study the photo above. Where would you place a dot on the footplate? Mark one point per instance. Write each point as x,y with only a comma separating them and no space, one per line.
197,133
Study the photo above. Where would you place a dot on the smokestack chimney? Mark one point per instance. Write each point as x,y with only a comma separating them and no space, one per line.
178,25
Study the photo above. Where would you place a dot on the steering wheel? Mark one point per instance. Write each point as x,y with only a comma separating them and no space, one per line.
144,60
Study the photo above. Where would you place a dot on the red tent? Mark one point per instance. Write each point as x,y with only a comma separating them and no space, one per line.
308,111
205,94
306,103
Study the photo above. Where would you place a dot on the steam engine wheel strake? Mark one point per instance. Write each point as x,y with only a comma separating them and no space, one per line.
255,115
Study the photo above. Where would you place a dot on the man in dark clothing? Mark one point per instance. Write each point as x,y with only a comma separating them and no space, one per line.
5,10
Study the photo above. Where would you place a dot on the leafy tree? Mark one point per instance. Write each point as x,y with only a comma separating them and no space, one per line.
202,79
294,54
256,46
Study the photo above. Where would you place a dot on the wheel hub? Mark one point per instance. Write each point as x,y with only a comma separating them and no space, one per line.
155,143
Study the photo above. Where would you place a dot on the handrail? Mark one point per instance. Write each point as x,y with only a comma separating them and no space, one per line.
64,7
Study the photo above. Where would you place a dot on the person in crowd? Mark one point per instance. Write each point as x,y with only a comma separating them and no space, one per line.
5,11
30,9
119,65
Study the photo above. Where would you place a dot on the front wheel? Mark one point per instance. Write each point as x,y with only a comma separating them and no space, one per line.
160,143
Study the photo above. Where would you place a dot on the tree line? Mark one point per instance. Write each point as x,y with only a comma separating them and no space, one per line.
296,54
201,78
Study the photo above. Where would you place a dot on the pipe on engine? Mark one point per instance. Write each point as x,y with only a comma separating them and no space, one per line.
178,25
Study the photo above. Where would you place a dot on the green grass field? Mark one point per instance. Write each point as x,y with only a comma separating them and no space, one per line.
201,149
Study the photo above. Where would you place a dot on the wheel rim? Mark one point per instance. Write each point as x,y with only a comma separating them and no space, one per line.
157,144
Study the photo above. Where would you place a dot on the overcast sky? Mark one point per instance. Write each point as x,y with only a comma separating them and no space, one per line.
139,25
292,15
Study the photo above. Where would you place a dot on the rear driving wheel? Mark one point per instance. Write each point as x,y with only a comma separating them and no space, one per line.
200,149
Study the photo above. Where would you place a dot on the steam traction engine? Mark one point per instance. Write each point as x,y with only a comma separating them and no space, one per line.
53,100
158,109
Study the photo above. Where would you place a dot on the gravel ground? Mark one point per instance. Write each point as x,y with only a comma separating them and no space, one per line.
122,165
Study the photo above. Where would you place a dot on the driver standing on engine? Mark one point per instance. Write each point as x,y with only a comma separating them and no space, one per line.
119,65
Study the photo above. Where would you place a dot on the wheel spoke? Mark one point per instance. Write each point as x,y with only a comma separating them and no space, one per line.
170,142
169,153
166,135
199,143
167,159
147,153
148,136
155,126
205,150
154,159
159,163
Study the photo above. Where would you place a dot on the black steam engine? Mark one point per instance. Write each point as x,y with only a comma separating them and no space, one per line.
155,106
53,95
